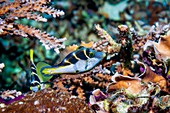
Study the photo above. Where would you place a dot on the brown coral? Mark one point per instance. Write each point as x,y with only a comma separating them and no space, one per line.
132,85
150,76
82,84
25,9
48,101
162,48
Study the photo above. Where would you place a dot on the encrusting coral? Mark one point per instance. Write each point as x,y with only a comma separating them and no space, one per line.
11,11
48,101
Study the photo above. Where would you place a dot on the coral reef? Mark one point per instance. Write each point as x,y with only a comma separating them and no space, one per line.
133,77
48,101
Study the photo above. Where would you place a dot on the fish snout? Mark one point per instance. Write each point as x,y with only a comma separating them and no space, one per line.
100,55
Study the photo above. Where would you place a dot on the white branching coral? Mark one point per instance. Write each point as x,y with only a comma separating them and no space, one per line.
11,11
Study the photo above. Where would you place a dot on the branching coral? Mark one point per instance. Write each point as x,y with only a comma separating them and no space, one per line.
107,44
11,11
82,84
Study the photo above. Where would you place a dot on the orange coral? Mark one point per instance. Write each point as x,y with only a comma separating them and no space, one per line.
132,85
60,86
48,41
5,8
127,72
163,46
104,77
80,92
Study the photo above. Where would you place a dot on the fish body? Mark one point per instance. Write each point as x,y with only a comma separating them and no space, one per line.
79,61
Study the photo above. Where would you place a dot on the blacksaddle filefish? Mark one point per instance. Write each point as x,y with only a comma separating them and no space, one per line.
79,61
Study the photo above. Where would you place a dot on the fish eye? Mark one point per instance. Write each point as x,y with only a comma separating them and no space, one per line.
91,54
39,87
77,71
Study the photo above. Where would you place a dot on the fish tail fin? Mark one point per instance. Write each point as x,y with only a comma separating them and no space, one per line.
44,76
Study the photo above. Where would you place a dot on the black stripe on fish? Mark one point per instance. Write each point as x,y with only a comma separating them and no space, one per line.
86,53
82,54
33,69
34,77
65,62
72,58
35,83
69,59
75,56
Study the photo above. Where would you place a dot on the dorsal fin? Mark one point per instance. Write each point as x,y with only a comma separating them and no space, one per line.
34,76
80,47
